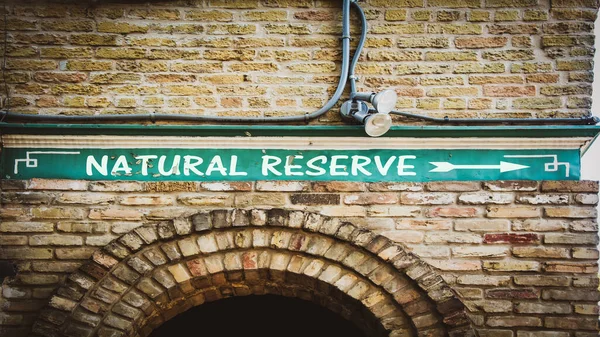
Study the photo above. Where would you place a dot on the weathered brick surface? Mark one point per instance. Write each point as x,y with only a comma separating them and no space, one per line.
517,253
443,57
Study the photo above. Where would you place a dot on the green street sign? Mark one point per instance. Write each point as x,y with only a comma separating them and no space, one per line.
247,164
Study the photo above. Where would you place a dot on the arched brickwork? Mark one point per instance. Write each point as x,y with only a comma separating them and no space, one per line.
153,273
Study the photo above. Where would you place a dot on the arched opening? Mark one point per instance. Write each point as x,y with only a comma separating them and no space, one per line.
151,275
265,316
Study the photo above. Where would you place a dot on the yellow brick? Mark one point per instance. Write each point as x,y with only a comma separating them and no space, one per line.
223,79
198,67
93,39
208,15
531,67
451,56
396,3
422,69
64,53
454,3
294,91
174,54
455,29
170,78
214,42
74,102
455,91
279,80
18,101
19,24
31,64
327,55
78,89
114,78
509,55
20,51
398,28
143,66
179,102
30,88
97,102
448,15
469,68
286,102
186,28
153,13
481,79
206,102
244,42
506,16
287,55
454,103
89,65
480,103
259,103
17,77
242,90
111,13
135,89
295,29
511,3
120,27
522,42
120,53
537,103
478,16
535,15
231,102
155,42
378,42
374,68
265,16
421,15
396,56
395,15
187,90
288,3
423,42
428,103
68,25
153,101
322,42
445,80
234,29
237,4
254,66
126,102
230,54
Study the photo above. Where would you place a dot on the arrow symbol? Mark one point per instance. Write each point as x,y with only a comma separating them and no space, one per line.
503,167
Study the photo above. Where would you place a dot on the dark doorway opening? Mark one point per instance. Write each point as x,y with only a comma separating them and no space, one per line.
264,316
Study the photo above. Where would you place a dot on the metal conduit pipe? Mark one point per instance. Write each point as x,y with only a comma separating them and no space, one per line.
359,48
586,120
6,116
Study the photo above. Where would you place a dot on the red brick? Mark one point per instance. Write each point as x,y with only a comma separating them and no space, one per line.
511,238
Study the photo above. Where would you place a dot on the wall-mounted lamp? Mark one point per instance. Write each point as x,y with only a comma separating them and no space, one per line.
376,124
383,102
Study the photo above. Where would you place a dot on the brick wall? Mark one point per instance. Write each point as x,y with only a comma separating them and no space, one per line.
522,256
484,58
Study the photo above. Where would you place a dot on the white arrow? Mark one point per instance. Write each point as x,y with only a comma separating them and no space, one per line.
503,167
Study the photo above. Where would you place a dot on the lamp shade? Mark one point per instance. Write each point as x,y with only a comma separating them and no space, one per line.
377,124
385,101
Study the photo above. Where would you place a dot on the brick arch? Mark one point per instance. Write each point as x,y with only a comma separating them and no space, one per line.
152,273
